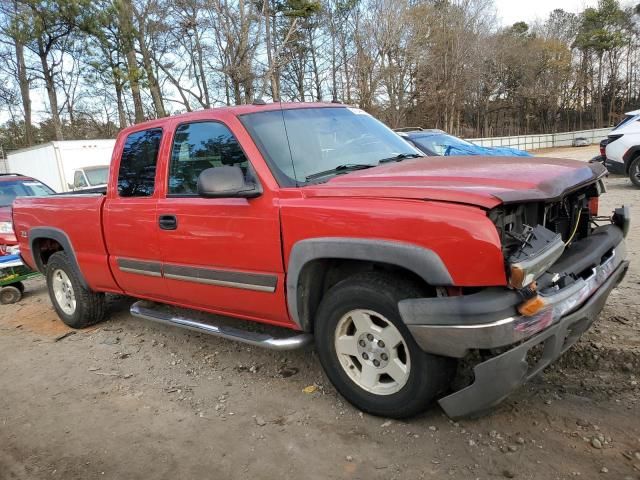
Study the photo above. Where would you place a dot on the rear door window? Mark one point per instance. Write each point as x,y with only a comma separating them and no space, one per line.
137,174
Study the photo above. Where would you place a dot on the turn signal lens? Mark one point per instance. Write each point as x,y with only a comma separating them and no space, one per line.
593,206
516,279
531,306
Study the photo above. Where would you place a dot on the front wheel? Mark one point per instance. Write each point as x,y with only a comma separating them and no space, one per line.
634,172
369,354
77,306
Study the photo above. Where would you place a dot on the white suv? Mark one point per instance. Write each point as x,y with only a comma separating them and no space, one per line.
623,148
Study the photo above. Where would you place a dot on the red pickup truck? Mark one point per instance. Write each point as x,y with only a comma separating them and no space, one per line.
407,272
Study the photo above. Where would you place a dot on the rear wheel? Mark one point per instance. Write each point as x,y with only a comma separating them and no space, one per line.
77,306
634,171
369,354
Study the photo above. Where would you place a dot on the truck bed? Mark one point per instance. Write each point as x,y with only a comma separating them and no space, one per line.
73,218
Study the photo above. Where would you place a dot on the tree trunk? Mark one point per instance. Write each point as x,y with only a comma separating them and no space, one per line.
132,68
154,87
127,34
347,76
51,91
334,82
275,87
23,81
314,63
122,117
203,78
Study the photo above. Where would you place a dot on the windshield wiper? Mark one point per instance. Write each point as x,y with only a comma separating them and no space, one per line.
348,167
400,157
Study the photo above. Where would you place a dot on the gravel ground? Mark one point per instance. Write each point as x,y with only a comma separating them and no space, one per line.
137,400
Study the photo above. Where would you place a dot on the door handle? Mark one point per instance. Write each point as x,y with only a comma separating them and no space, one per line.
168,222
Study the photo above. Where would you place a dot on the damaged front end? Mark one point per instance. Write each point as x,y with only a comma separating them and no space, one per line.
562,261
536,236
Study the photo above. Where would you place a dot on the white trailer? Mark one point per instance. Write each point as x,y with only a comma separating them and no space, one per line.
64,165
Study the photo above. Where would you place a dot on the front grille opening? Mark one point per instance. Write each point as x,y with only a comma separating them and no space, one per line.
606,256
586,273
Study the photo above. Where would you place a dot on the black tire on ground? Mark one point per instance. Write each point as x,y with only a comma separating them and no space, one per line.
89,305
19,286
10,294
429,375
634,171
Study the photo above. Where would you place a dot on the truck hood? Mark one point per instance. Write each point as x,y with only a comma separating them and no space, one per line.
482,181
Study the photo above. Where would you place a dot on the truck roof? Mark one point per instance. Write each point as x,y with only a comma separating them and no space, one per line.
8,177
236,110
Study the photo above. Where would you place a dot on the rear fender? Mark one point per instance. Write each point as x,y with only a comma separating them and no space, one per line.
50,233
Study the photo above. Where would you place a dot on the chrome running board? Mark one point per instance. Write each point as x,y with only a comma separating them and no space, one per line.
143,309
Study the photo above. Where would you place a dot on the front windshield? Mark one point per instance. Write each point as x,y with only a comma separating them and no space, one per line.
9,191
97,176
441,144
321,139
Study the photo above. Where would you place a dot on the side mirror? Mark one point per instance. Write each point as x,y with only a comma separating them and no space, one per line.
226,182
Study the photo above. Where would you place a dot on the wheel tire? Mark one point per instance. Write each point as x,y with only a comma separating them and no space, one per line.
428,375
10,294
82,307
19,286
634,172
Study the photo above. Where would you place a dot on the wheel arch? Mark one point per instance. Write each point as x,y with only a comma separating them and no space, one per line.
629,156
312,260
45,241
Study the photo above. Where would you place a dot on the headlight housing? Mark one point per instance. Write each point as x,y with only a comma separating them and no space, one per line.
540,252
6,227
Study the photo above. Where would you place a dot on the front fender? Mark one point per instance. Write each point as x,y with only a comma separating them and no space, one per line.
421,261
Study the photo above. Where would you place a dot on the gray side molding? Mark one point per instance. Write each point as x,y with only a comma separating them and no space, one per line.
59,236
421,261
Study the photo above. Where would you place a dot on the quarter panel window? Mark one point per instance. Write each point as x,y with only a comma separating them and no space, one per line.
198,146
137,173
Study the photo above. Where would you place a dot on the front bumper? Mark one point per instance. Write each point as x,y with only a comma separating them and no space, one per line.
453,326
496,378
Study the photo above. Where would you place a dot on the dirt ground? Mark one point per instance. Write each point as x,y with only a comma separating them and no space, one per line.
130,399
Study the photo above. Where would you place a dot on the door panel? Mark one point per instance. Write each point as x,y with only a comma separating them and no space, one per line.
221,254
224,255
131,234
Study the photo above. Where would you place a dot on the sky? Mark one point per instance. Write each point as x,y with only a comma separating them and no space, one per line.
511,11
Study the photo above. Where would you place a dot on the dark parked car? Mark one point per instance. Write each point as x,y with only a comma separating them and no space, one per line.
12,186
437,143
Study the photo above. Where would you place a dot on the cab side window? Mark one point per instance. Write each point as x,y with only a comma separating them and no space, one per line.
137,173
78,180
198,146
